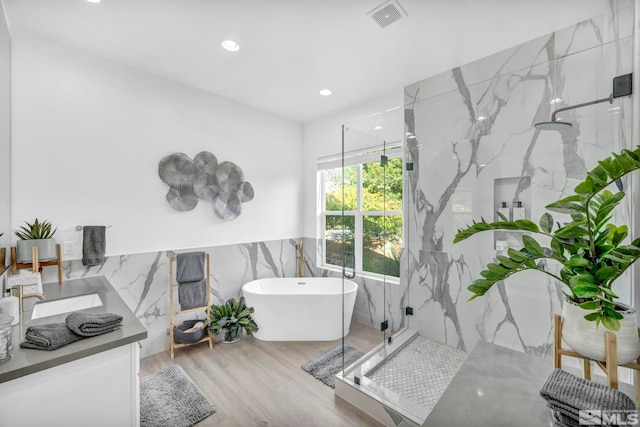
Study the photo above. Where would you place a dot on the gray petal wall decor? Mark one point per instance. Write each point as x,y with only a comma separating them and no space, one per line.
206,162
182,200
204,178
177,170
206,186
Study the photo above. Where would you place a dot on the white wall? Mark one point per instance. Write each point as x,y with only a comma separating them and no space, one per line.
5,133
88,134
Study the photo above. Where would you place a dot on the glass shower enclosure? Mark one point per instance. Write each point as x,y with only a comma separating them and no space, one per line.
467,148
364,232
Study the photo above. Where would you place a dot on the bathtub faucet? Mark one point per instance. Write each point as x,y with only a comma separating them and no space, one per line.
300,259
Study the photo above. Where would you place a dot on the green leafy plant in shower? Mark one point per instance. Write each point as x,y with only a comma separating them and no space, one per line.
588,247
230,318
35,230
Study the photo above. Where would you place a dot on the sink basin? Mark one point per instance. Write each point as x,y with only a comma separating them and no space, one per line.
65,305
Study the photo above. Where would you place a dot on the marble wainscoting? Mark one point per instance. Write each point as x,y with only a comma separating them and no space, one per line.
142,279
472,143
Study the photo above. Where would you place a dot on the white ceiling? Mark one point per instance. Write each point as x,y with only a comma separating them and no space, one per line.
290,49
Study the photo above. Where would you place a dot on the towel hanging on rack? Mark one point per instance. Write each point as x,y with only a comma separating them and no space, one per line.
94,243
192,284
190,267
192,294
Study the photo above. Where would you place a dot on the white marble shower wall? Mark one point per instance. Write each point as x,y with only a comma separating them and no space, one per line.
142,279
475,146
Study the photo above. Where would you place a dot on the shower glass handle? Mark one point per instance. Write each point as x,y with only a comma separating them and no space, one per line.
344,265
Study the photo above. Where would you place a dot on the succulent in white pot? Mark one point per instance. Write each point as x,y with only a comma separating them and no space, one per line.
40,234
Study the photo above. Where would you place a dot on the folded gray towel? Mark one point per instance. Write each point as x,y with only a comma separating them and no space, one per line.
190,267
561,419
569,394
563,415
89,324
94,243
192,294
49,336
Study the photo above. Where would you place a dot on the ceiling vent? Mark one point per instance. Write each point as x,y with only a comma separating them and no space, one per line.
387,13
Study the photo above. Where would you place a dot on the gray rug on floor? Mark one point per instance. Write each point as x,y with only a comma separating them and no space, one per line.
170,398
327,365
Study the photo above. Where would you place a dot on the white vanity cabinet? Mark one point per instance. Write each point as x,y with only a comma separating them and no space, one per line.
90,382
97,390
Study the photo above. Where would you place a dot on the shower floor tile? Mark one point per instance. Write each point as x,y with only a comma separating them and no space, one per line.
421,371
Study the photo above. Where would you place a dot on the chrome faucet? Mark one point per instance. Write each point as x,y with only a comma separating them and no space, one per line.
300,259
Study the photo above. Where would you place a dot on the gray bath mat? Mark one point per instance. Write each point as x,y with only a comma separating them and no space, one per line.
327,365
170,398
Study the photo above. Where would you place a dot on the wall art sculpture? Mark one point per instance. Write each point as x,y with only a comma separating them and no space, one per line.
204,178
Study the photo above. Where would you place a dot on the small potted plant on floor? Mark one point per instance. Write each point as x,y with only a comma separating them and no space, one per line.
37,233
230,319
591,256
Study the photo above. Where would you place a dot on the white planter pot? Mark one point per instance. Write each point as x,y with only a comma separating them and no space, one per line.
583,337
228,337
46,249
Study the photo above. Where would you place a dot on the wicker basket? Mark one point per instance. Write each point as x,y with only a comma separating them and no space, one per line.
182,337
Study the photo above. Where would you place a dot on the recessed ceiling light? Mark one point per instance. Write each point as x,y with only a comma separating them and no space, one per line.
325,92
230,45
94,1
378,127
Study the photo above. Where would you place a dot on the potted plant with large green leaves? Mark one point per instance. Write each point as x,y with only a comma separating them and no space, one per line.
37,233
591,255
230,319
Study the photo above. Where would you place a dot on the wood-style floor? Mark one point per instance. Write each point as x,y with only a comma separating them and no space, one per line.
260,383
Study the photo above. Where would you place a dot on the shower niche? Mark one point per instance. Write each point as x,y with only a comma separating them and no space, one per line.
512,198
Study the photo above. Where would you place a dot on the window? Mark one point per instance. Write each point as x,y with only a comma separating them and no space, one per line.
372,225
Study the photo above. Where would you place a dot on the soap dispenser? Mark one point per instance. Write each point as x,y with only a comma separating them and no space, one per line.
9,306
518,211
504,210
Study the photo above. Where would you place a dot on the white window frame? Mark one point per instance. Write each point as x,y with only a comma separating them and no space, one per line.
356,158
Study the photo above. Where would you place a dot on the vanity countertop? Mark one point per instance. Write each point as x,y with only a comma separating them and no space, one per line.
500,387
27,361
495,386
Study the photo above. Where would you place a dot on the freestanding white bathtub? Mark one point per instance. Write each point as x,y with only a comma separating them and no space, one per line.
300,309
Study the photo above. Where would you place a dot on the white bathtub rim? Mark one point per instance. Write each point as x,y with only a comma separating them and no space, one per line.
246,288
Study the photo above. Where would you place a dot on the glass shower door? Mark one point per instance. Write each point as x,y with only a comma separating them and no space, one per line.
371,232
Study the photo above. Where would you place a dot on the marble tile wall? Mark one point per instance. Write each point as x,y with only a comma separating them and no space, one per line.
474,142
142,279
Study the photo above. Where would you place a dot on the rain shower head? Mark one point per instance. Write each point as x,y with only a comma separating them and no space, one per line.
621,87
552,125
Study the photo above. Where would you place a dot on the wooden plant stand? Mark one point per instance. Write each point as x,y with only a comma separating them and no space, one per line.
37,265
609,366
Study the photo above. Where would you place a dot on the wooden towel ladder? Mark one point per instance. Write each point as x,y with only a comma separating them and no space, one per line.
172,313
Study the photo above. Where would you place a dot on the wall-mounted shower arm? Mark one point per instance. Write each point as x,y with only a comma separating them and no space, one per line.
584,104
622,86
